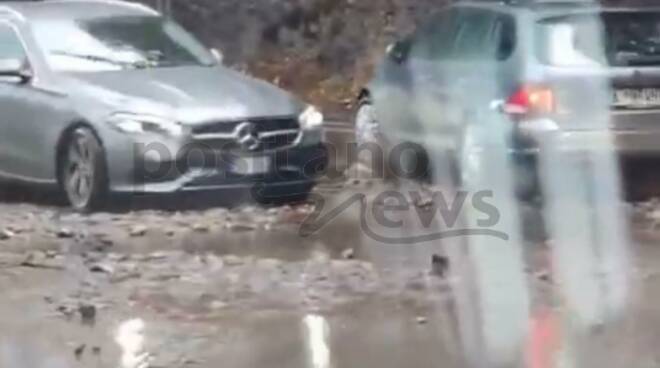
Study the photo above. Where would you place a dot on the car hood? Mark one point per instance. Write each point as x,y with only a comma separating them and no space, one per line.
189,94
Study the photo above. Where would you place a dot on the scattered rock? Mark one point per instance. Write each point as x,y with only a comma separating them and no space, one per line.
65,233
103,242
138,231
545,276
424,203
79,351
439,265
102,268
422,320
348,253
66,310
241,227
201,228
39,259
6,234
87,314
125,276
232,260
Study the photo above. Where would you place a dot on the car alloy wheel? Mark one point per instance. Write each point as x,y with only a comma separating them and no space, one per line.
83,172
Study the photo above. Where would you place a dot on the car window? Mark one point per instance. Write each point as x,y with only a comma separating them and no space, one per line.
630,39
10,43
98,44
435,39
504,37
473,37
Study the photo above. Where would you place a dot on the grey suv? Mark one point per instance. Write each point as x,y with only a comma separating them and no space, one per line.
574,71
99,97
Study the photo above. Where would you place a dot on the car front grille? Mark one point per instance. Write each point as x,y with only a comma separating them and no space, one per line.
273,133
264,125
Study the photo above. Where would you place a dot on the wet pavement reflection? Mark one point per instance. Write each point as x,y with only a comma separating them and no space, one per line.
242,288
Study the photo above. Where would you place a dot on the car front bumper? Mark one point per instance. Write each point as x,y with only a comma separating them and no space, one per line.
628,135
170,166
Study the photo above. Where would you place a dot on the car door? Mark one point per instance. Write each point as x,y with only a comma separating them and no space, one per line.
26,142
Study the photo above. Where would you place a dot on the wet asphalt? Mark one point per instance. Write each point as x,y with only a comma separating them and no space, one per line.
174,284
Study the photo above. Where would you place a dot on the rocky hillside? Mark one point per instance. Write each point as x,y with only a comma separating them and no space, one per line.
322,50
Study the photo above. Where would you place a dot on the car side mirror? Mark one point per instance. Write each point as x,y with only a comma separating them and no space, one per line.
218,55
14,69
399,51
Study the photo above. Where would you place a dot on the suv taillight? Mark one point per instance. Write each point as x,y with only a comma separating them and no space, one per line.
531,100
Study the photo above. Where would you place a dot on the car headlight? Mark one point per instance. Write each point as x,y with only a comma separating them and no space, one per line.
311,118
134,123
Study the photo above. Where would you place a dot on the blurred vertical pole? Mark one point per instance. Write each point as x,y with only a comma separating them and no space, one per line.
585,218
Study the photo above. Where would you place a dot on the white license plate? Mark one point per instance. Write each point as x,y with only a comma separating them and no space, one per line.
251,165
637,97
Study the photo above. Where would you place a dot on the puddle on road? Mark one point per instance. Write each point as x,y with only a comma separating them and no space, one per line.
363,335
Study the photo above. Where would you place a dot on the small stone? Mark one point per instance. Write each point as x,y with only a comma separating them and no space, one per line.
424,203
422,320
79,351
201,228
439,265
87,314
240,227
102,268
66,311
232,260
65,233
348,253
6,234
544,276
138,231
15,229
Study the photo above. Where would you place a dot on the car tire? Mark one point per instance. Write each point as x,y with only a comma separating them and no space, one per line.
82,170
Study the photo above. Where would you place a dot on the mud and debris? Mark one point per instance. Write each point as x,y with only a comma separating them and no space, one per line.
153,287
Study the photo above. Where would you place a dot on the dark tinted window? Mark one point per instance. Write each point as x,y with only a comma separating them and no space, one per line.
504,37
435,39
474,35
465,34
10,45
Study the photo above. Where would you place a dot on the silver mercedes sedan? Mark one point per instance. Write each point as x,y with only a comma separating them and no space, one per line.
102,97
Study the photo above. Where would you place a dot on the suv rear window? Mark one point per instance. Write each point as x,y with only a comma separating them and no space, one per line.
628,39
466,34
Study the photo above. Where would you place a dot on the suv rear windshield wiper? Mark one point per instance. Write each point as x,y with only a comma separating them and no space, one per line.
103,59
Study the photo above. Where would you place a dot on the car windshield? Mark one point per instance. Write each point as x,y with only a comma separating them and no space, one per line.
119,42
631,39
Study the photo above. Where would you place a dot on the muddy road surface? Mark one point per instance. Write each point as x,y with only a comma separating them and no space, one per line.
188,284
